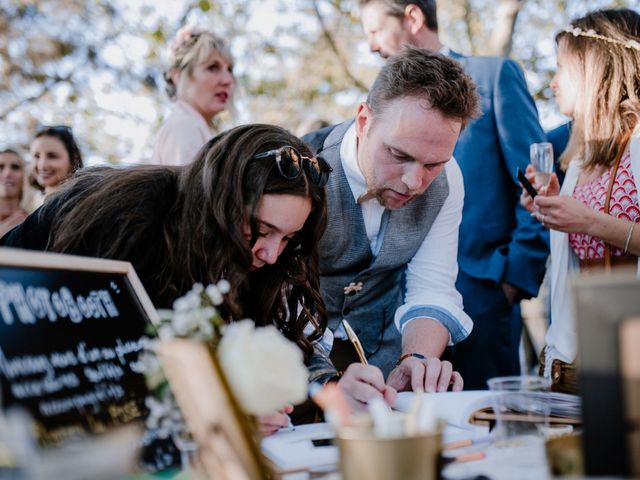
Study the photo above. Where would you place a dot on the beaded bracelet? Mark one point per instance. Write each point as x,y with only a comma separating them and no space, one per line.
412,354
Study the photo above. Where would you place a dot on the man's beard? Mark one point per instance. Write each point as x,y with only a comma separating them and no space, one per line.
378,195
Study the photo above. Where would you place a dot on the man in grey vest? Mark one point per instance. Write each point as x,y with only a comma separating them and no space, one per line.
388,257
502,249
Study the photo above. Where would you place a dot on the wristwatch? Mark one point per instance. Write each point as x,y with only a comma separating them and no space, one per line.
412,354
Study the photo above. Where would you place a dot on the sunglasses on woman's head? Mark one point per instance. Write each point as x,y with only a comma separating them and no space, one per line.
290,163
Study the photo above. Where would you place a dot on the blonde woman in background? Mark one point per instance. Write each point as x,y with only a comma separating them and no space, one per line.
593,217
200,80
13,190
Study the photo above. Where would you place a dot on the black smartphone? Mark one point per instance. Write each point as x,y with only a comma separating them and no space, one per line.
526,184
322,442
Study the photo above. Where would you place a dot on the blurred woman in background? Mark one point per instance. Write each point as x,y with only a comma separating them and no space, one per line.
593,217
55,156
12,190
201,82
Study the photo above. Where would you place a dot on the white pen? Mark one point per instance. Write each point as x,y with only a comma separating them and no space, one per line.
290,427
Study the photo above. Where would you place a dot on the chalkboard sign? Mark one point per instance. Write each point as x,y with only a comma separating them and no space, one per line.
71,330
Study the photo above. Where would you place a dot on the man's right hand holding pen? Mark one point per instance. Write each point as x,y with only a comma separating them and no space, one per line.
414,371
360,383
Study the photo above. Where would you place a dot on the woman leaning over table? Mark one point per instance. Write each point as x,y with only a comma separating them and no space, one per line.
593,217
12,190
249,209
200,80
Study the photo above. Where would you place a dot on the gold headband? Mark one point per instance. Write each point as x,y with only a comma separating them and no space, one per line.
578,32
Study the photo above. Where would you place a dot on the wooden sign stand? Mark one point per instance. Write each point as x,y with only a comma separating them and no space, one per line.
228,450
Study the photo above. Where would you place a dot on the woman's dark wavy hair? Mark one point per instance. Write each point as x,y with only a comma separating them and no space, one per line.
201,238
65,135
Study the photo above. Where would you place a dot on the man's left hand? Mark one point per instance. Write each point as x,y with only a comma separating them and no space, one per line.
429,375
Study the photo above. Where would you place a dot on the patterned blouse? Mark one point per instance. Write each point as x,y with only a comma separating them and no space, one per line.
623,204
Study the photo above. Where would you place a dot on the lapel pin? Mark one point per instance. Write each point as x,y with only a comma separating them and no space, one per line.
352,288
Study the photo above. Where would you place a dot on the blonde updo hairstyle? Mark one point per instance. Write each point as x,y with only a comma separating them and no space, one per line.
190,47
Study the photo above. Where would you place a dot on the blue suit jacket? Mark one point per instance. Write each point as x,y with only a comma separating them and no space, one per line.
499,240
559,137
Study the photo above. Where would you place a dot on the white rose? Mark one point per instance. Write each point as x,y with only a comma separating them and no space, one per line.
265,370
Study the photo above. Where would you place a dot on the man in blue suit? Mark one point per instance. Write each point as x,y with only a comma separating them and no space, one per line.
502,249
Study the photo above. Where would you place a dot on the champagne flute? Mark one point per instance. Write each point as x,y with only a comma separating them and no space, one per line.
541,155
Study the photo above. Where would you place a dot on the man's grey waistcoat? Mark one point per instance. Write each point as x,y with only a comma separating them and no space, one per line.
346,257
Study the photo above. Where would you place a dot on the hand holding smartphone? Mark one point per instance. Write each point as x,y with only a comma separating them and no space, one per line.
526,184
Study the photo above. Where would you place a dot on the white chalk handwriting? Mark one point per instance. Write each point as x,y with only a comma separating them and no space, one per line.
38,375
31,304
84,401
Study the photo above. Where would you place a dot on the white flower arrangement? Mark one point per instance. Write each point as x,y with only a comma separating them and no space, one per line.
264,370
195,315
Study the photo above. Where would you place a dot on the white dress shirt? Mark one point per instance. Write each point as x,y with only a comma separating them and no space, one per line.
432,272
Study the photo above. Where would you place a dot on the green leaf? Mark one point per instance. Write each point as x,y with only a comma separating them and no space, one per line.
158,35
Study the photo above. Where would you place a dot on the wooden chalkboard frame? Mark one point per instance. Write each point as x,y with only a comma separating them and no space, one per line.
63,263
16,257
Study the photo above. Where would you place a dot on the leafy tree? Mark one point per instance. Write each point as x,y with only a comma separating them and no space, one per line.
98,65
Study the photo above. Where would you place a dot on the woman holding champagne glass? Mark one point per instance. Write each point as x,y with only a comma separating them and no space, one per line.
541,155
593,216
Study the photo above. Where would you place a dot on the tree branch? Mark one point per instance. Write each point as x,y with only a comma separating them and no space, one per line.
502,35
332,44
468,19
48,85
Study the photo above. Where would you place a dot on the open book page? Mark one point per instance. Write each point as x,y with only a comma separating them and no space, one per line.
457,408
295,450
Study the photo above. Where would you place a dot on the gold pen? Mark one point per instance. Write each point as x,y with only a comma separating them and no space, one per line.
353,338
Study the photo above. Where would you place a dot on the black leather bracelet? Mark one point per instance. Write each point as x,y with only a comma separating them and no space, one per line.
412,354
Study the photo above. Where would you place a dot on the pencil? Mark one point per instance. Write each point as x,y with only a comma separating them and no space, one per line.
465,457
353,338
467,442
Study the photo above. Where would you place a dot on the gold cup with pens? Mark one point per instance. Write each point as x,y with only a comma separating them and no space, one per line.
388,445
363,454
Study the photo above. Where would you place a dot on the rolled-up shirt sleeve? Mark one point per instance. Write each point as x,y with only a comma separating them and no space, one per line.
432,272
320,367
